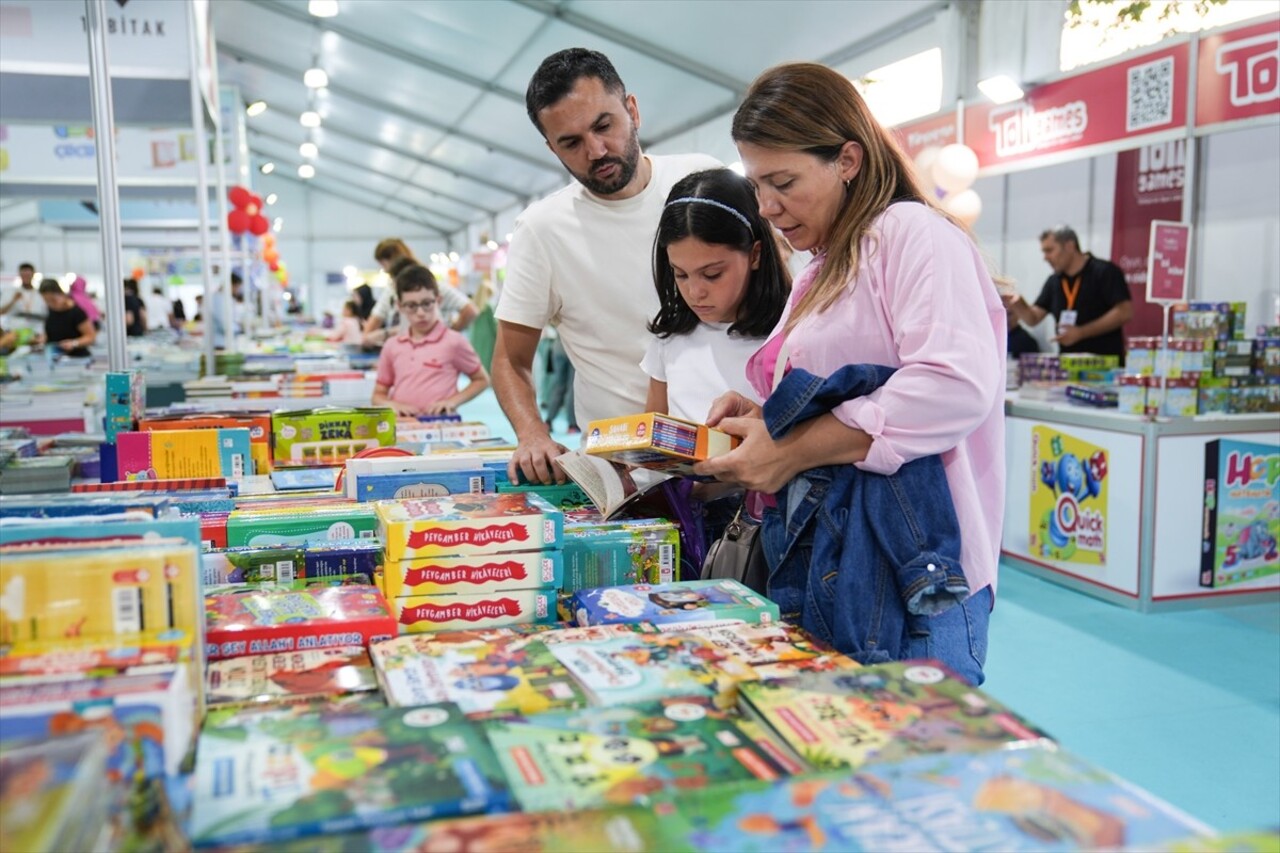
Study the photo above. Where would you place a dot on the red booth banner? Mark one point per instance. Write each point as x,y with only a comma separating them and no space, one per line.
1149,186
939,130
1239,74
1130,99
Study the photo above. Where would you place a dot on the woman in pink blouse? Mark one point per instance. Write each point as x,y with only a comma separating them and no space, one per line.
893,281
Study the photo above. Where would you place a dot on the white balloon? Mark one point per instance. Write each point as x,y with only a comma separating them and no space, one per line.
956,168
965,205
924,166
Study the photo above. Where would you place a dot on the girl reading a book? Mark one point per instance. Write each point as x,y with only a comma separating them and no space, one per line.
721,289
419,367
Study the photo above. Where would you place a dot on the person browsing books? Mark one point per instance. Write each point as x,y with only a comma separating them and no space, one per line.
392,254
66,326
418,369
721,288
895,286
579,259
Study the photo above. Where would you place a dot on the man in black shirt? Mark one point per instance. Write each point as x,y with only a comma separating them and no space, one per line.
67,326
1088,297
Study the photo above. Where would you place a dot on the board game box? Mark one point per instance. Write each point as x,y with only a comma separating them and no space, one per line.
514,672
1241,512
455,525
328,436
261,621
334,770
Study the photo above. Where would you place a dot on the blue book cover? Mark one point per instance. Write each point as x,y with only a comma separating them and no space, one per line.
423,484
1029,798
298,479
278,777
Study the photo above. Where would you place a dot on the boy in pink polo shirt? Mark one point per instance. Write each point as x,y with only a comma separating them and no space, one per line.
419,367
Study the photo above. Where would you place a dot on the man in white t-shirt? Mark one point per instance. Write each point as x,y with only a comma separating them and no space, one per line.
26,309
580,259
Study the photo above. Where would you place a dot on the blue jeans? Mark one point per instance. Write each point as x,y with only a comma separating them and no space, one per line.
958,637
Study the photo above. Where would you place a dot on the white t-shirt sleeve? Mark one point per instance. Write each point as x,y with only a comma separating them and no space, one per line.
384,307
451,300
527,296
654,363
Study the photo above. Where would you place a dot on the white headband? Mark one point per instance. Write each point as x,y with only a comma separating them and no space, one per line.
713,203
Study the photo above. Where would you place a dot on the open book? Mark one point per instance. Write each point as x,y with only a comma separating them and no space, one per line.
610,486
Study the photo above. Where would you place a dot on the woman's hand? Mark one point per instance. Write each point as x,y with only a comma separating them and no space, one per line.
758,463
731,404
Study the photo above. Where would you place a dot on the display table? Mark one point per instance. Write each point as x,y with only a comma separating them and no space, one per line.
1113,505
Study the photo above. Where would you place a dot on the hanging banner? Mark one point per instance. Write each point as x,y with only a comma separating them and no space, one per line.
1127,100
1168,261
1068,498
66,152
146,38
937,131
1149,186
1239,74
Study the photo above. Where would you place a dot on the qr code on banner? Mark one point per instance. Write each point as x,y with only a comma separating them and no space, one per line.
1150,95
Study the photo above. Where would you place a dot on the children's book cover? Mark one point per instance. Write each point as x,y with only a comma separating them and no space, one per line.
676,604
640,753
618,830
1068,498
1024,799
278,778
315,672
45,787
1241,512
883,713
416,614
641,667
468,524
473,574
764,644
503,674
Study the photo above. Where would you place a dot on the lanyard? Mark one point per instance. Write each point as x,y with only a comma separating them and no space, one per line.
1071,292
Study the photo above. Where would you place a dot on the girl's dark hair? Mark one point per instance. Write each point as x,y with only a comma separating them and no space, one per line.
352,306
415,277
769,284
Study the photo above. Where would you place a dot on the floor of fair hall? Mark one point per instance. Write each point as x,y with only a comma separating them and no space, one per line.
1185,704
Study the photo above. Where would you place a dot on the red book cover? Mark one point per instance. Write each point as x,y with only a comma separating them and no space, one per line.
185,484
265,621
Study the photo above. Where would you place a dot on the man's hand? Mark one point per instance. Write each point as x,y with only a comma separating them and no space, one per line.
535,459
1069,335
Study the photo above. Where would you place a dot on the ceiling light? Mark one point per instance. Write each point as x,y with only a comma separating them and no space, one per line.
308,150
310,118
350,271
453,256
277,224
257,108
1001,89
267,168
491,245
323,8
315,78
306,170
272,198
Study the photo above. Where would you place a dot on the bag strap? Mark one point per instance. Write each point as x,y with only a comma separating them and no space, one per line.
780,366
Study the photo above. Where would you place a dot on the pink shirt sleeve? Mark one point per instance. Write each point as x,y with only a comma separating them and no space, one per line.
941,303
465,358
386,370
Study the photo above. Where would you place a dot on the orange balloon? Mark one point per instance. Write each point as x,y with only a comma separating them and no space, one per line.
137,273
269,241
270,255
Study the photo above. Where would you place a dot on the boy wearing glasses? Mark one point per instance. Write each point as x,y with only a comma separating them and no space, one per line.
419,367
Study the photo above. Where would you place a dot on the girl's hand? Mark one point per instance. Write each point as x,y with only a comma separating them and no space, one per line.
758,463
731,404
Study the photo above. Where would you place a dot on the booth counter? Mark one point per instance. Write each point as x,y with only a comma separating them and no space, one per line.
1114,505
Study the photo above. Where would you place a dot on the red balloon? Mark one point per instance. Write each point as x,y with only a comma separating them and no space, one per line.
258,225
238,221
274,265
239,196
255,200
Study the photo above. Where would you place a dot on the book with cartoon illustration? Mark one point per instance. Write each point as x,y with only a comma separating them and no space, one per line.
1029,798
621,668
513,673
280,777
639,754
314,672
611,486
1241,517
882,713
672,606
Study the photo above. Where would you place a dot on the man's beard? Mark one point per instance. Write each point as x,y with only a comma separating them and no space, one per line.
627,165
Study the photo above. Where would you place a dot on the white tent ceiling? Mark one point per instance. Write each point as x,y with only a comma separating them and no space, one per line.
425,102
